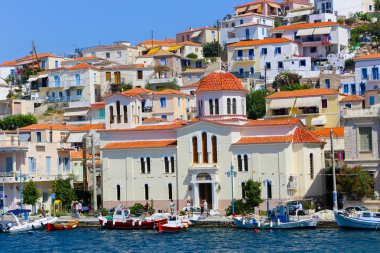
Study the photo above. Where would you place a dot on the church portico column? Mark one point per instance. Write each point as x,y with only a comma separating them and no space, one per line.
214,187
196,194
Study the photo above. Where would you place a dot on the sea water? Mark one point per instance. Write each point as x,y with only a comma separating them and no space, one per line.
91,240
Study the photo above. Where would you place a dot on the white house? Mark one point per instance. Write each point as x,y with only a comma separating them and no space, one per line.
367,73
343,7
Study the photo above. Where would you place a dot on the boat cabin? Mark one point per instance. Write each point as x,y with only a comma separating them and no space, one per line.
372,216
121,214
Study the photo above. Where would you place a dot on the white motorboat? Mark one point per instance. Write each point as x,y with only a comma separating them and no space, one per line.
278,219
359,220
23,226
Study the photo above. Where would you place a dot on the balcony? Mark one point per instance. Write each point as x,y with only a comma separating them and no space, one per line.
362,113
66,84
161,80
245,58
292,185
64,99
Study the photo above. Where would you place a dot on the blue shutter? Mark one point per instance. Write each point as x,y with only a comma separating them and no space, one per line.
48,165
9,164
364,73
371,100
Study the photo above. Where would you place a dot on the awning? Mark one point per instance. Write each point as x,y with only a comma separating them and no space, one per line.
254,7
24,137
43,76
75,113
174,48
75,137
322,30
308,102
305,32
196,34
282,103
241,9
274,5
32,78
298,13
318,121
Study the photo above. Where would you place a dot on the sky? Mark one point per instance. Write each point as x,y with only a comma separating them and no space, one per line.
61,26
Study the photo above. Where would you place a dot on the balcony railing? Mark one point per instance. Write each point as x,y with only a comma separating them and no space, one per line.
359,113
245,58
292,185
64,99
161,80
72,83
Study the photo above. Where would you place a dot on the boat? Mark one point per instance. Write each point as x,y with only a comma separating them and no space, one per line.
358,220
277,219
62,226
175,224
23,226
122,219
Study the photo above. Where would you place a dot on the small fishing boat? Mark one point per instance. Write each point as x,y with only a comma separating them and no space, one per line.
23,226
122,219
175,224
62,226
359,220
278,219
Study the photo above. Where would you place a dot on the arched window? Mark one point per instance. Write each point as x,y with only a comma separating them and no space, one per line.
111,115
125,114
214,149
234,106
211,106
166,159
170,190
146,187
242,190
172,163
228,106
148,165
311,166
142,164
195,150
118,192
240,163
245,162
204,147
118,118
217,106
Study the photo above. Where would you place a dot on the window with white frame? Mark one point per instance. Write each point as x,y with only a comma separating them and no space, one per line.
145,165
242,161
365,139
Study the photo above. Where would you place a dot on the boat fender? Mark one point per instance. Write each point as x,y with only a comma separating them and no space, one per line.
278,222
133,223
104,222
271,224
259,224
113,223
243,221
139,223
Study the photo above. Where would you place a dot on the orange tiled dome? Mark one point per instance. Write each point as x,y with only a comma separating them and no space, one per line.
220,80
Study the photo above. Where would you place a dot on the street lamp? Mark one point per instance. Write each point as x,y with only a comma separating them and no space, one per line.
266,183
21,176
232,174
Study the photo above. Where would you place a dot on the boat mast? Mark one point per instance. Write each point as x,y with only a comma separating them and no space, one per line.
333,169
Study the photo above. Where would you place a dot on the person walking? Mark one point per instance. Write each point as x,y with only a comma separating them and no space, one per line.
206,207
188,207
146,209
202,207
299,207
172,207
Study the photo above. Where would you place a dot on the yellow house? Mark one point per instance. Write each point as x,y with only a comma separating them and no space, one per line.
316,108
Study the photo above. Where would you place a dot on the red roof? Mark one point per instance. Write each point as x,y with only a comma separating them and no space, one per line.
260,42
350,98
302,93
141,144
302,135
219,81
367,57
264,140
274,122
170,92
81,66
8,64
325,132
304,25
190,43
63,127
98,105
171,126
33,56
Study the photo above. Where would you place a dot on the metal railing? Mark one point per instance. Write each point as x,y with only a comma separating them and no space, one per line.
245,58
365,112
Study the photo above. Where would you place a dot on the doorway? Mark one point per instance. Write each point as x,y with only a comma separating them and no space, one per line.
205,192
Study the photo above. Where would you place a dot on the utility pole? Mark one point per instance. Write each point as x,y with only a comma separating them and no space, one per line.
84,152
35,53
335,201
94,172
152,33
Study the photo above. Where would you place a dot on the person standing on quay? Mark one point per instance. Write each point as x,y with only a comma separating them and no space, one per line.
206,207
146,209
188,207
202,207
171,207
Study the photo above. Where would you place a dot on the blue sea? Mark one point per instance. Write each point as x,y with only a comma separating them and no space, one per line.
91,240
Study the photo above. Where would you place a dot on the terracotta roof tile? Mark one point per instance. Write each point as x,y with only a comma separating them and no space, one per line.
274,122
190,43
88,127
84,58
63,127
39,55
141,144
198,29
302,135
101,104
81,66
264,140
152,120
325,132
261,42
8,64
350,98
170,92
367,57
220,80
305,25
302,93
196,84
171,126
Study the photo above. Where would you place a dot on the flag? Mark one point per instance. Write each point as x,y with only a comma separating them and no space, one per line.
326,40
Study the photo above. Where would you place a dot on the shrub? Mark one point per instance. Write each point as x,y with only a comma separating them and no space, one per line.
136,208
104,211
192,56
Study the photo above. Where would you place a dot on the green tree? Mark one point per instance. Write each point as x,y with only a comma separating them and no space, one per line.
13,122
287,81
63,191
377,5
355,183
252,190
255,103
211,49
30,193
192,56
124,87
349,64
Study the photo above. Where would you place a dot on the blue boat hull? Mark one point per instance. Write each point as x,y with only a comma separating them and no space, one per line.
355,223
252,224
